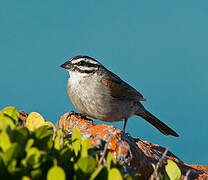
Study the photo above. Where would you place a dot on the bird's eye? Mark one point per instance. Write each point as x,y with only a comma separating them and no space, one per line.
81,63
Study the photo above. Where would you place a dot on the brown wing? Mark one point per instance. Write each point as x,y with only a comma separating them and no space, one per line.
120,89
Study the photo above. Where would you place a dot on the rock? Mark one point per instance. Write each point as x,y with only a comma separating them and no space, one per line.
136,156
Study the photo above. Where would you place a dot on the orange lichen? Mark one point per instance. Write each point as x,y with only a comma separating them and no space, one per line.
199,167
135,154
139,157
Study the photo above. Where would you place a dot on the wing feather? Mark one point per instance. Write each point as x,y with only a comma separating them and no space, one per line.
120,89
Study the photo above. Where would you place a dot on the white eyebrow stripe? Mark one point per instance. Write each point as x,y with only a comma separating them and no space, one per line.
83,68
75,61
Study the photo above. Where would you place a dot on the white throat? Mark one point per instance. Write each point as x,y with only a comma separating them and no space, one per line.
76,77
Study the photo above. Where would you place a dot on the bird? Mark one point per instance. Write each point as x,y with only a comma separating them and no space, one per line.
98,93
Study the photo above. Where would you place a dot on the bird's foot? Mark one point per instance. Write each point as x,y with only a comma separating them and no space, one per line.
80,115
124,127
123,132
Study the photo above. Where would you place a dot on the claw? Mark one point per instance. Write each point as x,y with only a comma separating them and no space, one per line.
80,115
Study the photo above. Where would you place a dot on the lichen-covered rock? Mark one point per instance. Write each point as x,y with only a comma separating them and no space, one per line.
135,155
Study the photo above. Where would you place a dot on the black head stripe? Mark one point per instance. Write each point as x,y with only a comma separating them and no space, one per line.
83,71
86,64
83,57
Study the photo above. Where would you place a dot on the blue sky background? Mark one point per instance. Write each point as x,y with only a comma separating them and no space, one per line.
159,47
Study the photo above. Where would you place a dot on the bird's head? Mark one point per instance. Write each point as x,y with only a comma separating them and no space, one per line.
83,65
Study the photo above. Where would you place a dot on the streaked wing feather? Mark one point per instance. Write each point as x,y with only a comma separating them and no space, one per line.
120,89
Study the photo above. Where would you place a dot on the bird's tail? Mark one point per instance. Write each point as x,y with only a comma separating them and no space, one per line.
163,128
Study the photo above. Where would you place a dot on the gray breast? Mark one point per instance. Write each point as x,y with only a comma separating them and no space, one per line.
93,99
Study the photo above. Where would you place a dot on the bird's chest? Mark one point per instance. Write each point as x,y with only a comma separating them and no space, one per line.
84,95
82,89
92,98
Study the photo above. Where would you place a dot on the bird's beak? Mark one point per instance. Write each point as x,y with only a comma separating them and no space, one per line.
66,65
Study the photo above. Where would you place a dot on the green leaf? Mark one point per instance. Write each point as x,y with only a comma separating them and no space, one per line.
114,174
86,145
12,166
43,137
139,176
127,177
5,141
57,141
26,178
20,135
42,132
3,167
11,112
110,160
87,164
173,171
153,165
29,144
66,153
55,173
76,140
33,157
36,173
34,121
12,153
6,121
96,172
49,125
165,176
100,173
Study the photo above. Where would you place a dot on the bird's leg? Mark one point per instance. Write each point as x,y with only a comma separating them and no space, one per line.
80,115
124,127
77,114
72,113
